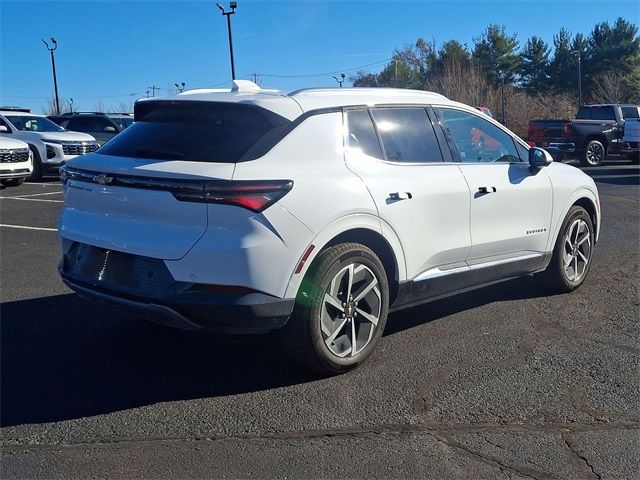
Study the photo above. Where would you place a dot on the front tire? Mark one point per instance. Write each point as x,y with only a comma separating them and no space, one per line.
36,173
572,253
341,310
13,182
594,154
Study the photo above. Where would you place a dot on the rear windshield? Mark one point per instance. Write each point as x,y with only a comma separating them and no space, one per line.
596,113
197,132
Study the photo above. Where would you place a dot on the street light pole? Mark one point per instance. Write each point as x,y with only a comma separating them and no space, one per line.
340,82
233,6
577,52
53,67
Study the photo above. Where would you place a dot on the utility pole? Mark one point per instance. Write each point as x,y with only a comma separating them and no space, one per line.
233,6
255,78
340,82
153,89
53,67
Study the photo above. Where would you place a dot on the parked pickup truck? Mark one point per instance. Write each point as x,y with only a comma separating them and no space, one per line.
597,130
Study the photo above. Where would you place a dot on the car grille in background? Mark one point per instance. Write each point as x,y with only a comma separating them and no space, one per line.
78,148
15,156
113,270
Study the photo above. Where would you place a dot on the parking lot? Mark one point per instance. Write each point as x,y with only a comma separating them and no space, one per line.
503,382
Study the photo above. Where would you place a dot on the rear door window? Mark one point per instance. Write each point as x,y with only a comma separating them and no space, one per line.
407,135
198,131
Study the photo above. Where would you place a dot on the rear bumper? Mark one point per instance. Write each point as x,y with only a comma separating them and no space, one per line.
253,312
557,146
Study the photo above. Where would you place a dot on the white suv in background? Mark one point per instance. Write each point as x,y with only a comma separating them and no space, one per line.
316,213
16,162
50,144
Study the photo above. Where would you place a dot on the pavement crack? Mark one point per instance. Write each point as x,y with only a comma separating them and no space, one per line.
490,460
581,457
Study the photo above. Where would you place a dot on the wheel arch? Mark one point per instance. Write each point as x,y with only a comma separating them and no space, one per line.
586,199
380,246
367,231
591,209
599,137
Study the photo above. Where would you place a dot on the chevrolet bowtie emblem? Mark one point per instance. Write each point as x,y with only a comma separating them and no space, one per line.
103,179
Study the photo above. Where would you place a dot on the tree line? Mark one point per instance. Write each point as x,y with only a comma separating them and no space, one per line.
609,58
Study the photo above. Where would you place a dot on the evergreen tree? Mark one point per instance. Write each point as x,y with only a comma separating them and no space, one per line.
534,63
562,69
495,53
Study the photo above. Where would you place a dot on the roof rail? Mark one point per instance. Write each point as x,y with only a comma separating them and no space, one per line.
352,90
83,113
16,109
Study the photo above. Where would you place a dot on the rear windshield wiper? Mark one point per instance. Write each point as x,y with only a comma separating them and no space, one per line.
157,153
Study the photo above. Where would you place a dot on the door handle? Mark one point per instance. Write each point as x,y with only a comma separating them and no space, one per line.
487,189
400,196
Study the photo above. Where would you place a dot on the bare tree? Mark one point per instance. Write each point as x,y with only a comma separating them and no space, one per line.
609,87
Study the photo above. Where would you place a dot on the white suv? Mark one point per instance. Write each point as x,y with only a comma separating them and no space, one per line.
316,213
50,144
16,162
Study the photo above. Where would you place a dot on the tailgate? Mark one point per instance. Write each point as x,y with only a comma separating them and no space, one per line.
141,221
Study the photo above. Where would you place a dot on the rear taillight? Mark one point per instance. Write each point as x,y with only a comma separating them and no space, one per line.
567,130
254,195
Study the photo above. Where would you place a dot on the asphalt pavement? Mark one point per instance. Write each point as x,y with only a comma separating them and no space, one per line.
502,382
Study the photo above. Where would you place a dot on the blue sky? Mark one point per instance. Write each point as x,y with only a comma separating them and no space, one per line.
112,51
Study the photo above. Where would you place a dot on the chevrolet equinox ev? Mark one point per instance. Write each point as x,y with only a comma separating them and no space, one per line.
316,213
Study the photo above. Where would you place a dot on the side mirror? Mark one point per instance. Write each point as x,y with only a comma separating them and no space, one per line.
539,157
109,129
4,129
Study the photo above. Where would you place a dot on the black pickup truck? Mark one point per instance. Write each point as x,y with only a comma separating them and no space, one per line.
597,130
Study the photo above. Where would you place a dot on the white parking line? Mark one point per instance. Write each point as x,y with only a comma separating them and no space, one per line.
36,194
31,199
24,227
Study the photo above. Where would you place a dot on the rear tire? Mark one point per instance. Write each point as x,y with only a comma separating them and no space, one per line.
36,174
13,182
572,253
330,331
594,154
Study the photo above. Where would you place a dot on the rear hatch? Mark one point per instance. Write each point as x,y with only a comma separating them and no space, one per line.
143,193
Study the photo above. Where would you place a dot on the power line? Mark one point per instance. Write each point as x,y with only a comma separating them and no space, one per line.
326,74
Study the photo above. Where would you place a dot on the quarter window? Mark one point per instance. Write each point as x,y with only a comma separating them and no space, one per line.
476,139
362,135
407,135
